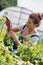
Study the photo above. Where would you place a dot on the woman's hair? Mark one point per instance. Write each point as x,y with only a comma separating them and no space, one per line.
37,17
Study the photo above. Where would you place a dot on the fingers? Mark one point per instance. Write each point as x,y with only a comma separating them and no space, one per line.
28,43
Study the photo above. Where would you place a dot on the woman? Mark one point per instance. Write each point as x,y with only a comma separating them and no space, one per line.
27,30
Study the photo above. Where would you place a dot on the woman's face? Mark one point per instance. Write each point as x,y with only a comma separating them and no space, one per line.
30,23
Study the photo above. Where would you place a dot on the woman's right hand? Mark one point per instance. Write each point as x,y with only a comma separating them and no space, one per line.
14,37
29,43
19,44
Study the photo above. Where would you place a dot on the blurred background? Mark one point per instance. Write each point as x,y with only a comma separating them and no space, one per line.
7,3
18,10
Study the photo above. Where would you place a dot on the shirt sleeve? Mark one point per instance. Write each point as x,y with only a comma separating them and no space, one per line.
20,26
34,38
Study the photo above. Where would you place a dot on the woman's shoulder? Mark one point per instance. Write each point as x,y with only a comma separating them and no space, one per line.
34,35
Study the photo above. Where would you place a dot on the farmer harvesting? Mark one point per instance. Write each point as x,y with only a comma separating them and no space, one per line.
27,30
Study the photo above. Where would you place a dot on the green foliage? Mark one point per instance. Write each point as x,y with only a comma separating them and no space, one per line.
5,56
7,3
29,54
8,42
34,54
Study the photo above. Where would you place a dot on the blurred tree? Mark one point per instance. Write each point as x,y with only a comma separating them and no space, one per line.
7,3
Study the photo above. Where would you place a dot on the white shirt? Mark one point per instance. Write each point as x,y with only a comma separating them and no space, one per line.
33,38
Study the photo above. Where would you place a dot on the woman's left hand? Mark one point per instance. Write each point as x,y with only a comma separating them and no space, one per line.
29,43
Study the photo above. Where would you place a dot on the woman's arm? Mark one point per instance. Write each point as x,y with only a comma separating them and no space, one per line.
14,36
15,29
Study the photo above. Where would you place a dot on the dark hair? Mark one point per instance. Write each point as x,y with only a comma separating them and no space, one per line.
36,17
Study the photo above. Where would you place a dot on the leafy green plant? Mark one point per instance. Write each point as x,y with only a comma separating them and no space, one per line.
29,54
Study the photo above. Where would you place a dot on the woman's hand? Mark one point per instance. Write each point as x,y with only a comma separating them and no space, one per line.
20,44
14,37
29,43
